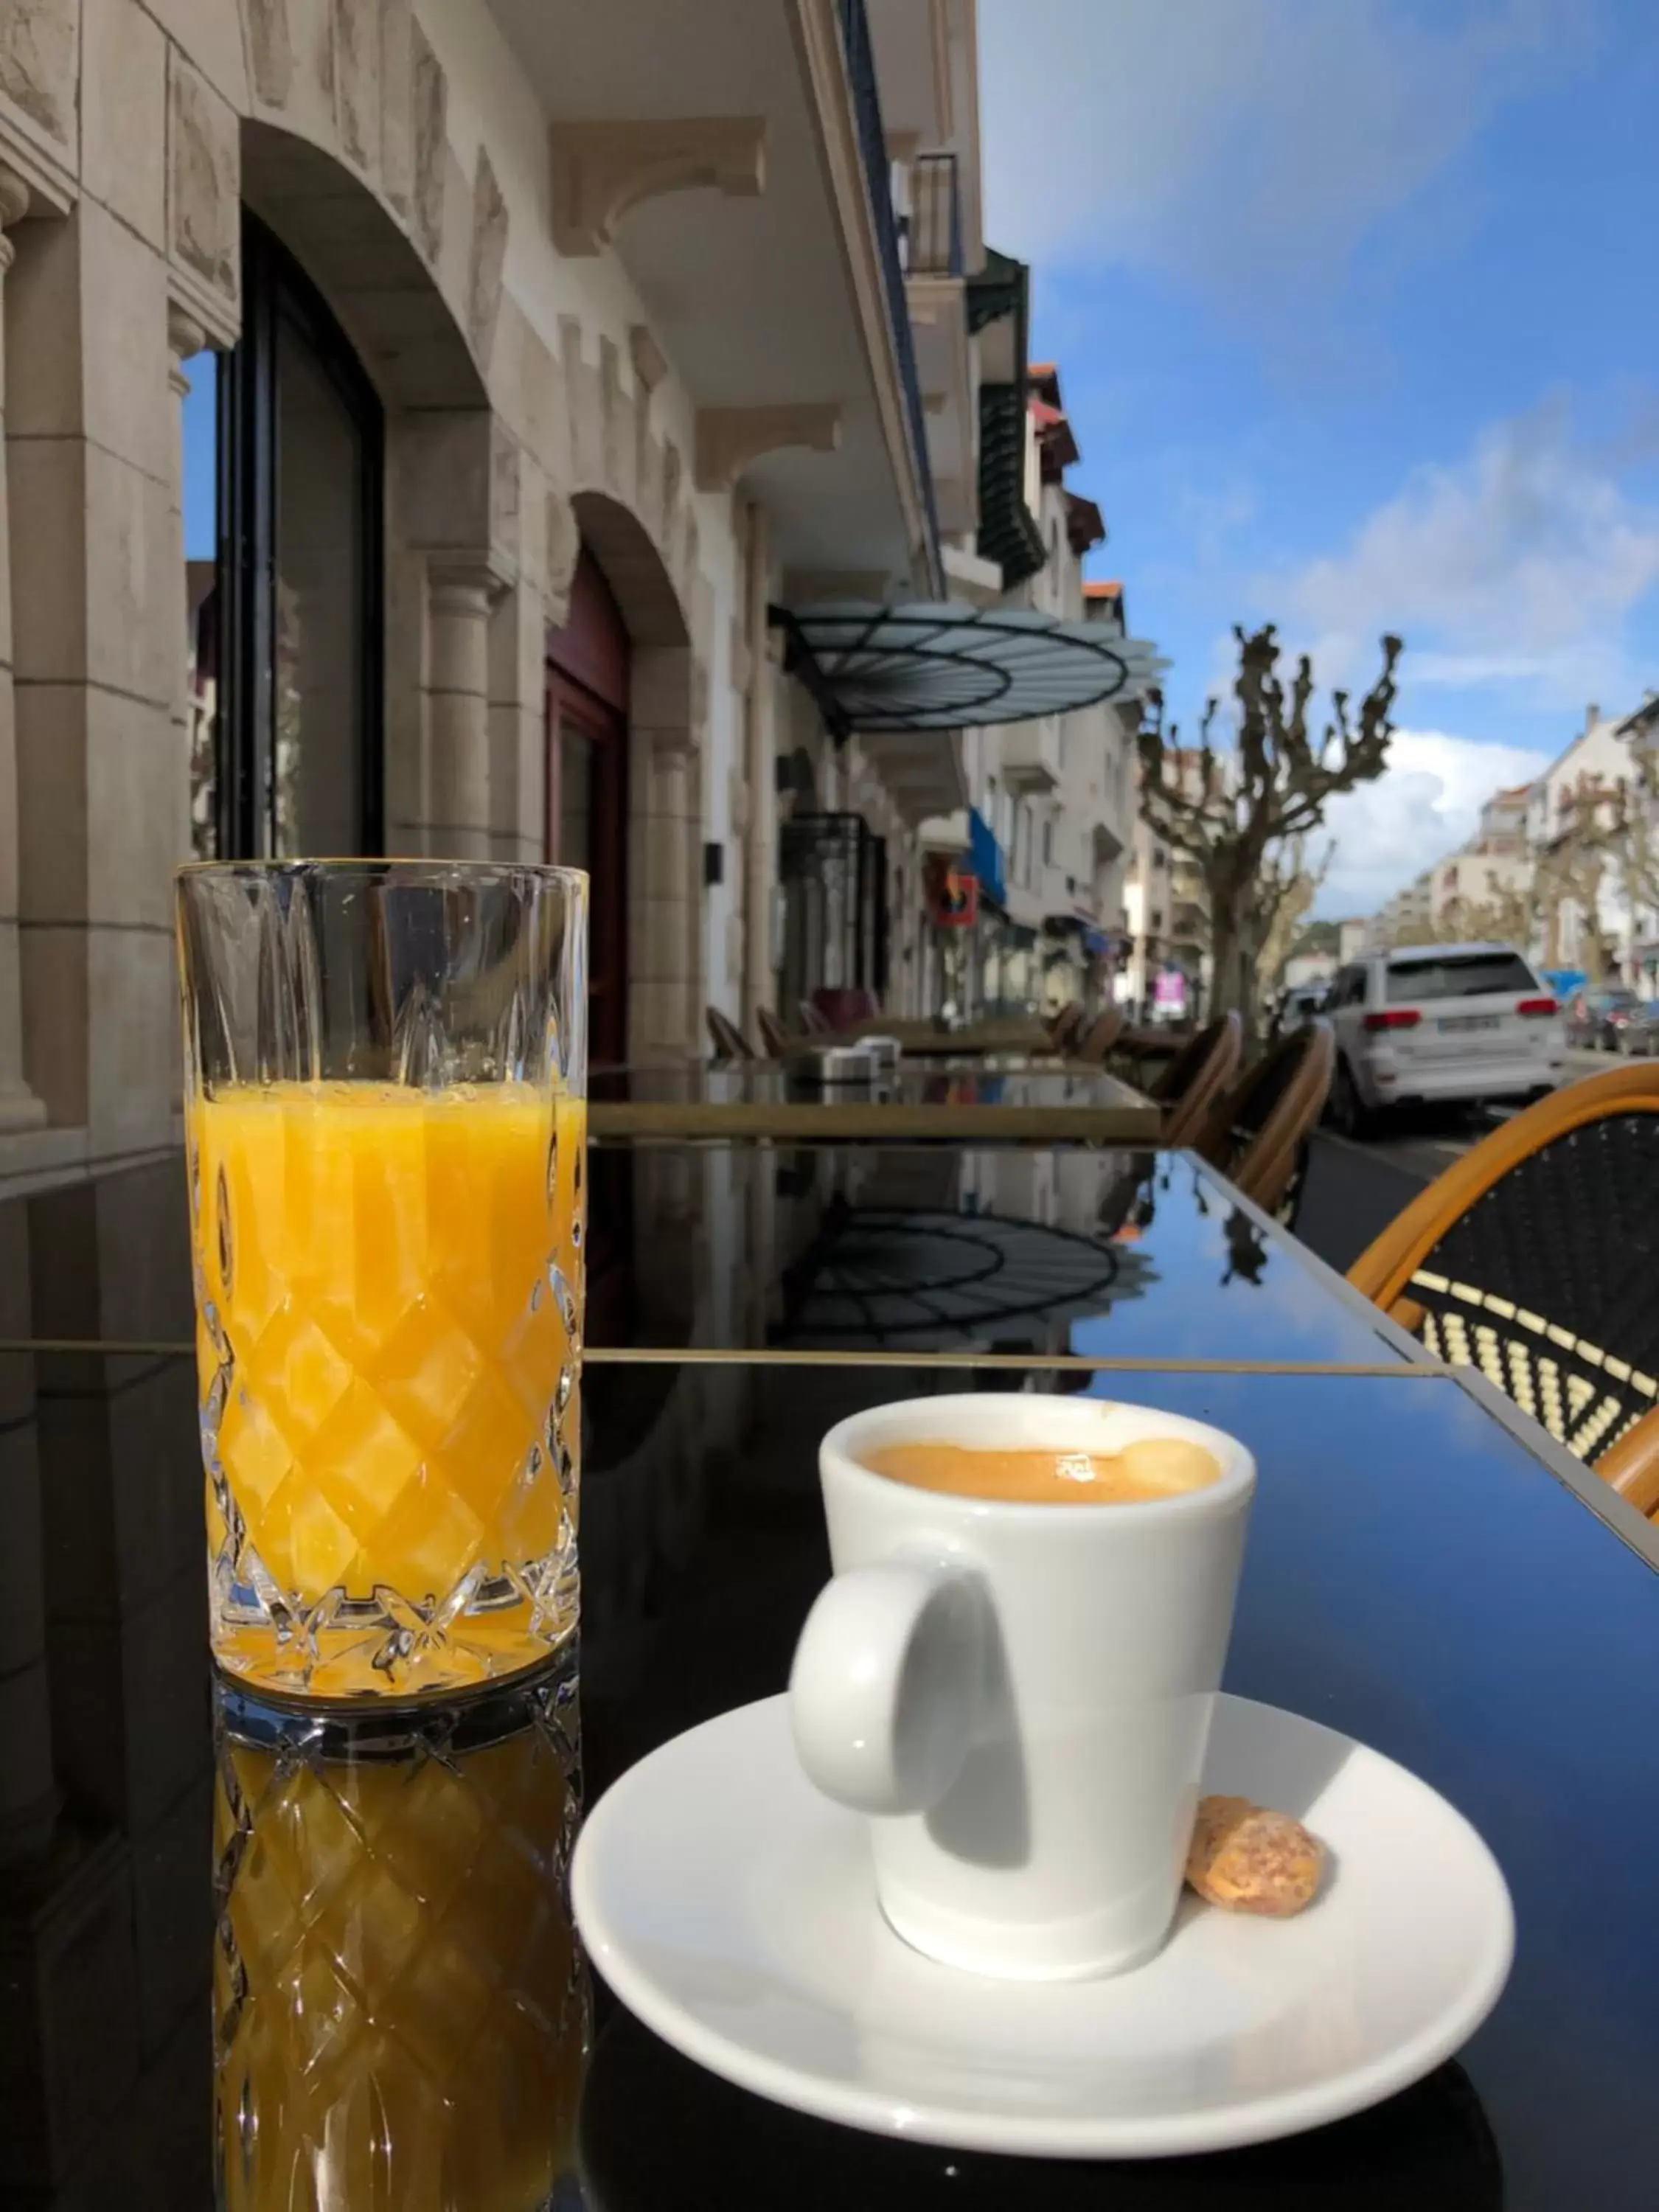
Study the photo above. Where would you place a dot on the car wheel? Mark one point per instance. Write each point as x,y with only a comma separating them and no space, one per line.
1347,1109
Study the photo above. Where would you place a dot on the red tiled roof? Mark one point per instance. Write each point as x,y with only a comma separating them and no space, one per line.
1112,591
1042,377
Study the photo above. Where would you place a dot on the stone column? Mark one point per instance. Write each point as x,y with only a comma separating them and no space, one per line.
19,1107
459,595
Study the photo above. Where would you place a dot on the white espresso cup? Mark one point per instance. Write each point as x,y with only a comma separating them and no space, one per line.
1019,1694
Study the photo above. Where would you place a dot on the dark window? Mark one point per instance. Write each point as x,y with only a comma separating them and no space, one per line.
301,446
588,668
1472,975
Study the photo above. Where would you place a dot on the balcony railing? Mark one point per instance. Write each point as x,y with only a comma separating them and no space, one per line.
930,234
878,182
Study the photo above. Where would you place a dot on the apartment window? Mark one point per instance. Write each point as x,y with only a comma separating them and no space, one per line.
301,458
1048,844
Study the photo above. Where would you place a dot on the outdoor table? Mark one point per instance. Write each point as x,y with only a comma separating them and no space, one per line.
997,1033
1426,1571
966,1251
772,1098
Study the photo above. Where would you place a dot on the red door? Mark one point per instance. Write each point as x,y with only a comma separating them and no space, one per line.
587,664
587,790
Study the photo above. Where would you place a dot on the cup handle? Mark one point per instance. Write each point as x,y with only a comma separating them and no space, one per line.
884,1690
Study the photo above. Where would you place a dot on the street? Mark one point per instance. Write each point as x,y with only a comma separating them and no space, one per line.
1355,1189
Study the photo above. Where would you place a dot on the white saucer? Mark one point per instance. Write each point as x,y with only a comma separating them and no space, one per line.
732,1909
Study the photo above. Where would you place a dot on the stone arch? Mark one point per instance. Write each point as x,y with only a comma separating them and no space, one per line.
366,266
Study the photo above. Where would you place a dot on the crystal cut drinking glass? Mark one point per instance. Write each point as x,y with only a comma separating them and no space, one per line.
386,1119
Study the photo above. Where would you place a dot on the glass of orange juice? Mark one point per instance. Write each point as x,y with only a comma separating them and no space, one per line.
385,1080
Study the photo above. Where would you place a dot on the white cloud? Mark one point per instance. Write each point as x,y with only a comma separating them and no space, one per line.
1424,805
1243,145
1513,571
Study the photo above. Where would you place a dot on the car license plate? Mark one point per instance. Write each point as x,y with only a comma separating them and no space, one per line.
1457,1025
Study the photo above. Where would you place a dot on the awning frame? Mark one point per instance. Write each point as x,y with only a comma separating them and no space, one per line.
990,649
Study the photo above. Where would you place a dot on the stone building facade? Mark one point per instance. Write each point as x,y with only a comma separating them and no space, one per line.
623,292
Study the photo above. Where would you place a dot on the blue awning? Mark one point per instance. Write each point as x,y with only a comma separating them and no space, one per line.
985,857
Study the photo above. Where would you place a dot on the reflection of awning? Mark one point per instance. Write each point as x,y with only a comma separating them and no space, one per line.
947,666
927,1278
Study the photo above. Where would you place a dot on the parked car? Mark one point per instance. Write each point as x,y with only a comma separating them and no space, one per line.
1431,1022
1595,1016
1638,1032
1299,1004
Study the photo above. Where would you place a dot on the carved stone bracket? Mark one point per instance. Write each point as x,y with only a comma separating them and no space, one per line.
40,77
650,363
186,336
564,545
204,185
730,438
602,170
14,206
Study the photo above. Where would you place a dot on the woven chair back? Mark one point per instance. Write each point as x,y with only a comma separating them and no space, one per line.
1536,1258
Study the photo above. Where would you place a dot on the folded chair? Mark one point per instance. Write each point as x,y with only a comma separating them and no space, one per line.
729,1041
1187,1086
1257,1132
1099,1037
773,1034
1064,1026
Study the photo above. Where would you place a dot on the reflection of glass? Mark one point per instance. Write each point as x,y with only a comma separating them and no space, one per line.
319,645
401,2016
386,1128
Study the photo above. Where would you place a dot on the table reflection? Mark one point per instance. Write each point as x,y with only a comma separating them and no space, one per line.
401,2016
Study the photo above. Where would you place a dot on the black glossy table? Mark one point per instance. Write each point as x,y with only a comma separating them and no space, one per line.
1417,1575
1105,1254
1424,1570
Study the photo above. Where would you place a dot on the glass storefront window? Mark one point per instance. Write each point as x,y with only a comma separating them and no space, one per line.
296,745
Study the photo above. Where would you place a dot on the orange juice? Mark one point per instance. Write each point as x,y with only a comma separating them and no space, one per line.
401,2012
389,1297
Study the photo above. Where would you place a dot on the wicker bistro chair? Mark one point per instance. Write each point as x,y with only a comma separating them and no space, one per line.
1257,1132
1099,1037
1631,1465
1065,1025
728,1040
1187,1085
773,1034
1536,1258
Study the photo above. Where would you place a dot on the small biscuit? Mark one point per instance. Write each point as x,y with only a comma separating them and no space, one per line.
1252,1860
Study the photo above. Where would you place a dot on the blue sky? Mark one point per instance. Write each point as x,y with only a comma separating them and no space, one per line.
1355,308
199,469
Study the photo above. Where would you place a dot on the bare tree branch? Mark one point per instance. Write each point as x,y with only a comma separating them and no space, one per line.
1230,811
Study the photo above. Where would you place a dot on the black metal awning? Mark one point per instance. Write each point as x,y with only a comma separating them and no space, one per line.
948,665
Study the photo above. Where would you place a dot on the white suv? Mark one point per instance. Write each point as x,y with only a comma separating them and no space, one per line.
1440,1021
